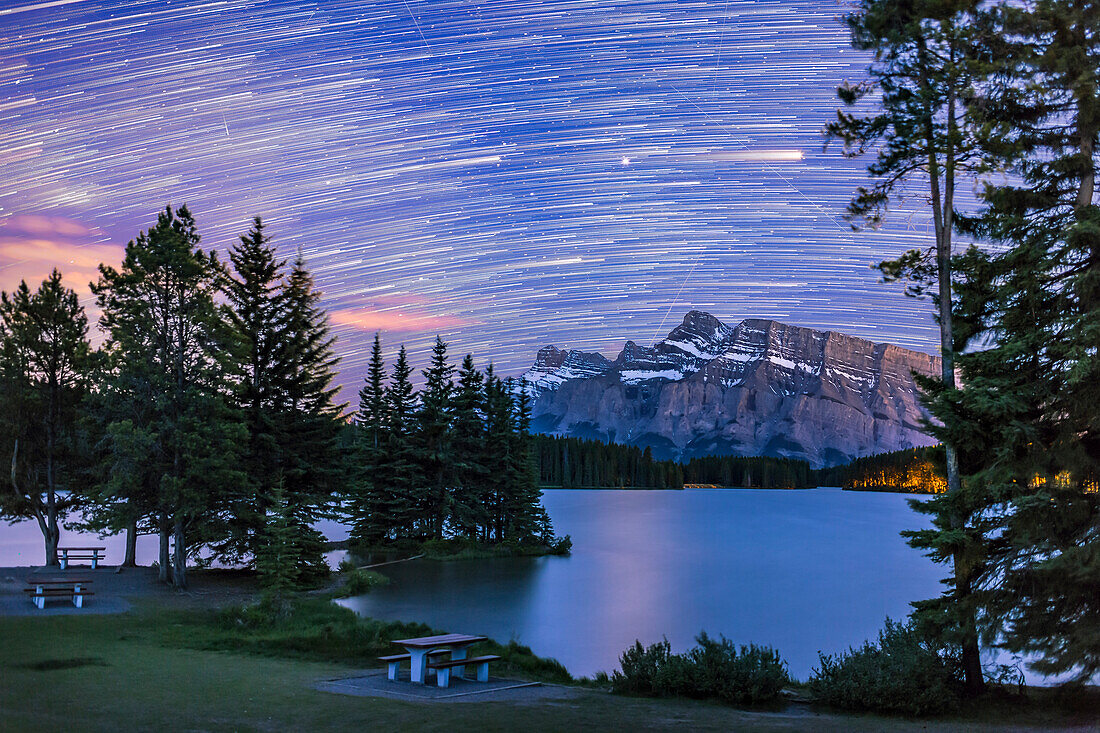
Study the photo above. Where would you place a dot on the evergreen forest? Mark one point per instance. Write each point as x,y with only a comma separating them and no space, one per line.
911,471
576,463
208,417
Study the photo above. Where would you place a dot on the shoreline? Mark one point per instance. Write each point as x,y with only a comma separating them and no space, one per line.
166,637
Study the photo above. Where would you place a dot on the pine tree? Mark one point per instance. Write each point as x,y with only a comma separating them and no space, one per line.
923,71
497,459
167,342
1029,403
526,519
308,421
468,451
372,506
44,365
432,440
400,471
254,290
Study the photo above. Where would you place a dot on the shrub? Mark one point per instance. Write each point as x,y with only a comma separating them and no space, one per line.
716,669
359,582
905,672
560,545
639,669
713,669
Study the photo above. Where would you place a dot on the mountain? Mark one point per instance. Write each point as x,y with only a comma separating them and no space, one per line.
760,388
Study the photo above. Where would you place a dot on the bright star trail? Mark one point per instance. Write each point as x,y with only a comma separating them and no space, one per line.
506,174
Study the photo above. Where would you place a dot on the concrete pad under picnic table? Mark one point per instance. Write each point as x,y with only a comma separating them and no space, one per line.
15,602
497,689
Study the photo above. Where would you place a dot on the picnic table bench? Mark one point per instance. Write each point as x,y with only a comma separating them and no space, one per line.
74,589
420,648
443,668
393,661
80,553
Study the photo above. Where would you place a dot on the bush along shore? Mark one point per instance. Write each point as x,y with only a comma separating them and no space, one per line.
905,672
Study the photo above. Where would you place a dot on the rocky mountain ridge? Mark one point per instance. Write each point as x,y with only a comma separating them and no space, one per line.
758,388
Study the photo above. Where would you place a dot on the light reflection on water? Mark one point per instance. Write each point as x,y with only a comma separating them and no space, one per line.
800,570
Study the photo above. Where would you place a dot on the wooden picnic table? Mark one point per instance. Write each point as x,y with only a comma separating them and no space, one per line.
43,587
80,553
419,648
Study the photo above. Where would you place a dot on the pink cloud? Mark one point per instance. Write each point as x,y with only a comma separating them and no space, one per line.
364,319
43,225
31,246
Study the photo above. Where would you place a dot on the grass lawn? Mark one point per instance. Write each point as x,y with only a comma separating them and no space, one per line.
130,672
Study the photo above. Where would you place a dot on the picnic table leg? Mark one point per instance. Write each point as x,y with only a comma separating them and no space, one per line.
95,559
416,665
39,599
457,654
78,597
64,558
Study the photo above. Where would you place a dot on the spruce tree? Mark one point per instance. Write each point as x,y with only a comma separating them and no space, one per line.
307,424
526,519
400,472
432,441
44,370
922,73
372,505
497,456
254,290
1029,403
168,344
277,553
468,452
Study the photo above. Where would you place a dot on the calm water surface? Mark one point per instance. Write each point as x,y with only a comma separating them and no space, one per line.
800,570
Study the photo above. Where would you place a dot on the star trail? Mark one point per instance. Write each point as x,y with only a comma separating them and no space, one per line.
505,174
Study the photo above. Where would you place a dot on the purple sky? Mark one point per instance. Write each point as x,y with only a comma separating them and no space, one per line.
505,174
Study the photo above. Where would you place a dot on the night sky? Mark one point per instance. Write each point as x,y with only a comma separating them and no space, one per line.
506,174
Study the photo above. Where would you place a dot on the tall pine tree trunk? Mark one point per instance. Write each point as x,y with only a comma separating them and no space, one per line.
165,558
53,532
179,554
51,536
130,559
943,203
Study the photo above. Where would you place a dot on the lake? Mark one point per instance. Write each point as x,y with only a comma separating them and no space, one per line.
800,570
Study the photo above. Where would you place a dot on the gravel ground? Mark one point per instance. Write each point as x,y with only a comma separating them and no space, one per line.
115,588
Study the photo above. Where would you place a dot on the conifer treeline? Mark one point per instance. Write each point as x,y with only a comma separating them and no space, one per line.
913,471
572,463
565,462
455,460
578,463
761,472
208,418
